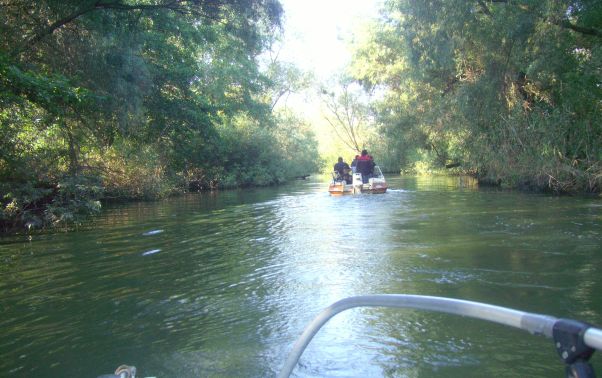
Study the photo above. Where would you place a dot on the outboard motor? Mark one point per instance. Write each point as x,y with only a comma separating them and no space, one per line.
357,182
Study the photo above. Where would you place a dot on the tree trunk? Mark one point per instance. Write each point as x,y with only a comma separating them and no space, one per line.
73,159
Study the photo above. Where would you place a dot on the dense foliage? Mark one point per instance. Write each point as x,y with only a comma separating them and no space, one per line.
510,90
137,99
132,99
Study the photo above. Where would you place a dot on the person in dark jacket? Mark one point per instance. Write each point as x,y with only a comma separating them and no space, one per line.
365,165
343,169
354,163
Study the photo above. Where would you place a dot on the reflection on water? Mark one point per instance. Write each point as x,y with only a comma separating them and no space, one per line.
222,284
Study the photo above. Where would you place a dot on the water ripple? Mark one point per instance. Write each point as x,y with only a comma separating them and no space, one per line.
221,284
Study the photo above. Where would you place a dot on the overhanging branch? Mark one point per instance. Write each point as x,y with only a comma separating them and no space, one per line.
562,23
181,6
580,29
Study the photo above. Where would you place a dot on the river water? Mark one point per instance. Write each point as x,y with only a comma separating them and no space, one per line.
222,284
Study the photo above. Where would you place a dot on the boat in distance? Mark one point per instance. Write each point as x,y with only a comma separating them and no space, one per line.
373,183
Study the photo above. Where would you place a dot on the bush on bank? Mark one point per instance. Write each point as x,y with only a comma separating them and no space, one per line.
245,154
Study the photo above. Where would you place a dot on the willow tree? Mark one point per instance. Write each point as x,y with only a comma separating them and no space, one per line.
125,90
347,113
510,89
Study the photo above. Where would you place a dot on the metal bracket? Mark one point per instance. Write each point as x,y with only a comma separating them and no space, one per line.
568,339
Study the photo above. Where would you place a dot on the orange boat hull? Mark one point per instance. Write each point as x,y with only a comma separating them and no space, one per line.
341,189
378,190
338,189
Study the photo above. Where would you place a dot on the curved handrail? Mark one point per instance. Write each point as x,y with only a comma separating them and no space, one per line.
533,323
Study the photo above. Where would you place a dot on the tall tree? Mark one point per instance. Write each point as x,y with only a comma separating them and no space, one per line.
508,88
128,89
348,115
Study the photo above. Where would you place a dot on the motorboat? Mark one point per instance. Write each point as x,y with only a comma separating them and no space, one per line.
575,341
339,185
374,183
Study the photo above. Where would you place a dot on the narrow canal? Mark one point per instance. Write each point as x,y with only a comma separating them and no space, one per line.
222,284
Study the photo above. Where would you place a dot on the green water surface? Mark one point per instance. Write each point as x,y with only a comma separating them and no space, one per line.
222,284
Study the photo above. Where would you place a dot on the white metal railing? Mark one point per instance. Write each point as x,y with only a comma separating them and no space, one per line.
533,323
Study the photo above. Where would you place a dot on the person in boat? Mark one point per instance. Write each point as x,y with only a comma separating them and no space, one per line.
365,166
342,169
354,163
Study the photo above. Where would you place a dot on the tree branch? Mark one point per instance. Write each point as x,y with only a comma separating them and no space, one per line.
484,7
54,26
174,5
336,131
580,29
181,6
562,23
334,109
